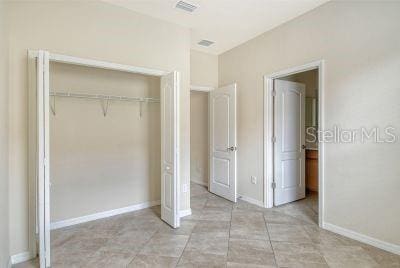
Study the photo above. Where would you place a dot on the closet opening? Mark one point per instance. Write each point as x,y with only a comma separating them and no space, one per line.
106,154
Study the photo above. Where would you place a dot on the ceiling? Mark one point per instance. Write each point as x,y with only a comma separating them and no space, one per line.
226,22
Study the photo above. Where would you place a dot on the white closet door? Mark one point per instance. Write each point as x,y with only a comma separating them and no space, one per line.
222,104
43,158
289,147
170,149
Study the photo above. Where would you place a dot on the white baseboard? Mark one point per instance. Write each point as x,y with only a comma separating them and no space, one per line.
251,200
199,182
101,215
184,213
21,257
362,238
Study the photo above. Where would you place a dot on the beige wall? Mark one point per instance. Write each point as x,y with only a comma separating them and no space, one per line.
359,42
199,165
4,239
203,69
86,29
101,163
203,72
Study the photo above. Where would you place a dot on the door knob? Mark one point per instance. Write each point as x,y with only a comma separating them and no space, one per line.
232,148
167,168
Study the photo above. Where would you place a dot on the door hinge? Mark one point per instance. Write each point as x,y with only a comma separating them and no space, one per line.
273,139
273,93
232,148
273,185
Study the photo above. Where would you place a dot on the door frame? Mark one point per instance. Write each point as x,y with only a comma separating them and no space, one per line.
206,90
34,228
269,131
201,88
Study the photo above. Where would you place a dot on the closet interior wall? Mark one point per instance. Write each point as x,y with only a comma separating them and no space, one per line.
199,156
102,162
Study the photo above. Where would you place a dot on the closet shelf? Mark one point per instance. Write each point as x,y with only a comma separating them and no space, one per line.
105,99
102,97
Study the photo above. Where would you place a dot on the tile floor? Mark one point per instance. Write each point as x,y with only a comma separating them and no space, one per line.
217,234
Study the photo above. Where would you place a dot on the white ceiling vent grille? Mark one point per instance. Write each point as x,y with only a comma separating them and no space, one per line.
185,6
205,43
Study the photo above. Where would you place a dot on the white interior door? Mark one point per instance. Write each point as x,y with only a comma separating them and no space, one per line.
289,149
170,149
43,158
222,106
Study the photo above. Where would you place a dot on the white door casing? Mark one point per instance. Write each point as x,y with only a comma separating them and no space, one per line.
289,149
170,149
43,157
223,146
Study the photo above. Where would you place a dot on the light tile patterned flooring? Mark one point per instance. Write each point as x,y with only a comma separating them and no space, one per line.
217,234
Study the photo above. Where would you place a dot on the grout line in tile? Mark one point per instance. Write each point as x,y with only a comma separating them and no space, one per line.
187,242
229,238
270,242
144,245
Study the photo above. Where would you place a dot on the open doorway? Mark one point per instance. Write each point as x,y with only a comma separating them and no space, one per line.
213,139
293,162
199,140
308,169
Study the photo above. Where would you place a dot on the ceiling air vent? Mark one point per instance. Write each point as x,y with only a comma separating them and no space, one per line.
185,6
205,43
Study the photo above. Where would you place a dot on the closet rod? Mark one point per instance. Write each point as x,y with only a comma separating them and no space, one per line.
102,97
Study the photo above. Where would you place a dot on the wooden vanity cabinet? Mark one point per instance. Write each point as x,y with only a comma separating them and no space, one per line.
312,170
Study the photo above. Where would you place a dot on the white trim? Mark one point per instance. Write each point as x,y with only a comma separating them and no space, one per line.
200,182
178,151
201,88
184,213
251,200
46,144
33,53
42,138
321,145
101,215
268,131
100,64
363,238
21,257
268,146
297,69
